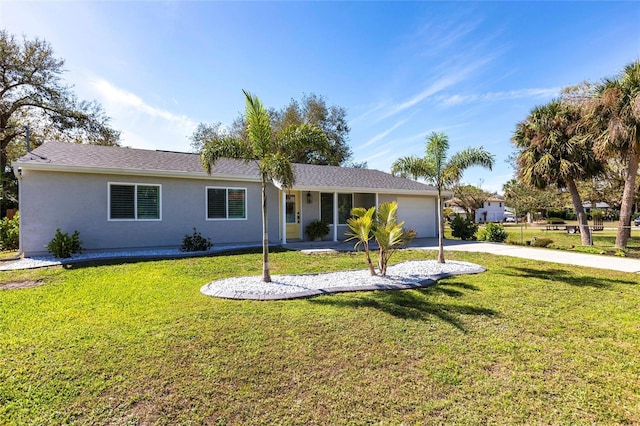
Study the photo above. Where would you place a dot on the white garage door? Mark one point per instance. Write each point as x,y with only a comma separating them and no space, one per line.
418,214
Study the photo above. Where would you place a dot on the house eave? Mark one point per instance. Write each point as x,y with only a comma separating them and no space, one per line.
17,166
365,190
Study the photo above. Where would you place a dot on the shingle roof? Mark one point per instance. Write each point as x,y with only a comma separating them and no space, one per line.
106,159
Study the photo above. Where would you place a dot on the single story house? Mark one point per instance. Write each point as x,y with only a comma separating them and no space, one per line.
124,198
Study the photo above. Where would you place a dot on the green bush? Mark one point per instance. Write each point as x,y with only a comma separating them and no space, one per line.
63,246
541,242
317,229
463,227
555,220
195,242
10,233
493,232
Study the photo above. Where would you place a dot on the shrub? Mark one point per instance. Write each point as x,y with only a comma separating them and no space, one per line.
541,242
463,227
493,232
317,229
597,214
62,245
555,220
10,232
195,242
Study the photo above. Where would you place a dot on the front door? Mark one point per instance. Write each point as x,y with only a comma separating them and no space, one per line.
292,214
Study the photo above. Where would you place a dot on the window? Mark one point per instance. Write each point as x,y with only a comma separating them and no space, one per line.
326,208
345,204
132,201
226,203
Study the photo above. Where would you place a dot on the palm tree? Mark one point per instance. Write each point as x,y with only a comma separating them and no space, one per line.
270,151
409,167
616,116
555,149
361,224
440,172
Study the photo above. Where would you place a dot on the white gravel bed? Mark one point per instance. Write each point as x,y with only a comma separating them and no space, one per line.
43,261
404,275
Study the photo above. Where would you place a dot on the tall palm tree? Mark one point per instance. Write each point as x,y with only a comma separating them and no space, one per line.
409,167
555,149
441,172
616,115
270,151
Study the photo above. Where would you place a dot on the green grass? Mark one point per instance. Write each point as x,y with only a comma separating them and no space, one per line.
603,241
136,343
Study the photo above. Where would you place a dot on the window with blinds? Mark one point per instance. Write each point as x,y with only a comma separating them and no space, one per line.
134,202
226,203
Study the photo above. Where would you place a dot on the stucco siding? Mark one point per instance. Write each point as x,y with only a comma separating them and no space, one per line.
79,201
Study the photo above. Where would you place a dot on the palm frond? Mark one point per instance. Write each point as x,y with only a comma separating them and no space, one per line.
224,147
258,124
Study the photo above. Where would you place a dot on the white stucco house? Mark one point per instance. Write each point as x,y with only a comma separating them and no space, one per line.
493,210
122,198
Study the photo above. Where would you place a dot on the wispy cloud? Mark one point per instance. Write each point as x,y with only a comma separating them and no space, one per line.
457,99
380,136
142,124
120,97
447,79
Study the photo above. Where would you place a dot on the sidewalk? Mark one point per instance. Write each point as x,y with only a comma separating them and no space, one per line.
613,263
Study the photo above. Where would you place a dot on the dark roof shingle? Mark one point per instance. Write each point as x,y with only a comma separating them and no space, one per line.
56,155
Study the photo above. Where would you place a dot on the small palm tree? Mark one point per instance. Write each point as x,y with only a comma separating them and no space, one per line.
616,117
270,151
360,225
389,234
384,227
441,172
555,150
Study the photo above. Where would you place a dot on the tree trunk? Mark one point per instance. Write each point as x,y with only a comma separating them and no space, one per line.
585,232
440,230
266,275
626,207
372,270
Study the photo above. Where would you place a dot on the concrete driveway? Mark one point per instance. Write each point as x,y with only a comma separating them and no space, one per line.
613,263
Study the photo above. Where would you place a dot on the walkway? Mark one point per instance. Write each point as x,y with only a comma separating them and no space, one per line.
613,263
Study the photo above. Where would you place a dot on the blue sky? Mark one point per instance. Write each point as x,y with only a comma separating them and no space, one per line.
401,69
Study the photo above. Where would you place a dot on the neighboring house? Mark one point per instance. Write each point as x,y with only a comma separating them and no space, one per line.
452,203
493,210
130,198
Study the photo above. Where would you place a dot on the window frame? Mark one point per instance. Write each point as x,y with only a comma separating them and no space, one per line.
226,188
333,206
135,202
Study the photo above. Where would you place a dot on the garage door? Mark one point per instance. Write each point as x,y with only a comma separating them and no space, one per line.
418,214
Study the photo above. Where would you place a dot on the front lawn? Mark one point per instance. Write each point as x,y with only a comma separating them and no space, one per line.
136,343
603,241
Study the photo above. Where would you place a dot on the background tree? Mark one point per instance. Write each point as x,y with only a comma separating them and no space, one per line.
272,153
616,118
555,149
470,198
443,173
32,94
313,111
528,199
